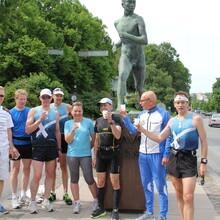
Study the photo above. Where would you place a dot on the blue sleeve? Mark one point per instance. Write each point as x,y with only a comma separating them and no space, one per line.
129,125
166,152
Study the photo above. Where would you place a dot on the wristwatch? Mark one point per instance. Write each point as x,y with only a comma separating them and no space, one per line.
112,123
204,160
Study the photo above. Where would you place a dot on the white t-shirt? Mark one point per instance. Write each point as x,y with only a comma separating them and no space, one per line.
5,123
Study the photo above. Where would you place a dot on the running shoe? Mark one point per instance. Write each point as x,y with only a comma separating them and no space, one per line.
33,207
76,208
47,205
15,204
146,216
52,197
67,199
99,212
115,214
3,210
162,218
24,200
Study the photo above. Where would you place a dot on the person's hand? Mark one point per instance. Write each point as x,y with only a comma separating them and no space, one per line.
108,116
123,113
75,126
14,153
139,127
165,161
94,162
202,169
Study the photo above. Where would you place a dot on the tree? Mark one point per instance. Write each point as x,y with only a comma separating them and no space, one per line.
216,94
30,27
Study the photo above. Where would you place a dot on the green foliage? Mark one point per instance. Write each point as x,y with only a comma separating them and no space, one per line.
33,85
216,94
29,28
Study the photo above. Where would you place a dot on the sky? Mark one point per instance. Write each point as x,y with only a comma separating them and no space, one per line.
191,26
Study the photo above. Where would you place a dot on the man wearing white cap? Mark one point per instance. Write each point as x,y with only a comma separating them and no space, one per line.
107,154
64,110
186,128
43,124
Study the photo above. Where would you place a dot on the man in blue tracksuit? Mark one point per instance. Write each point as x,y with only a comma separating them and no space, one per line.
152,156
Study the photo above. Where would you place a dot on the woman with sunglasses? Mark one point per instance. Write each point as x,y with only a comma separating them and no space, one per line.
80,136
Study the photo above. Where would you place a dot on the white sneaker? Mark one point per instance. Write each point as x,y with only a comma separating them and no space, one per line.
146,216
95,205
24,200
15,204
76,208
47,205
33,207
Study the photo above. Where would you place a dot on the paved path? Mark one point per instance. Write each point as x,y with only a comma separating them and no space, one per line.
204,209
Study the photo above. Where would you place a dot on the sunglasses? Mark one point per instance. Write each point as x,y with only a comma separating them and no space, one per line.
45,97
58,89
2,96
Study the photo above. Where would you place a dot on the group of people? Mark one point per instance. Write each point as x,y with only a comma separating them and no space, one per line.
42,134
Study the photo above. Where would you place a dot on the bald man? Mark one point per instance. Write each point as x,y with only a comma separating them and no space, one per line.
152,156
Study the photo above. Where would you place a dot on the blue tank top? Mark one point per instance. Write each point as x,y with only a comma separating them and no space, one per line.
63,115
19,118
45,134
185,135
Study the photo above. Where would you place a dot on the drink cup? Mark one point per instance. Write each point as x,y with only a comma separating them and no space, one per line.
123,107
79,124
17,156
46,114
104,112
136,121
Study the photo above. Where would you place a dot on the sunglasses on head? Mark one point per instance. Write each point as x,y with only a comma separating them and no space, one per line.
58,89
45,97
2,96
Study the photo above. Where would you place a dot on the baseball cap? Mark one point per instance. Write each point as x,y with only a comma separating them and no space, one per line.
45,92
58,91
105,100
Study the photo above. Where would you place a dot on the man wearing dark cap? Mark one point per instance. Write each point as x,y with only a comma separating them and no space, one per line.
63,109
107,155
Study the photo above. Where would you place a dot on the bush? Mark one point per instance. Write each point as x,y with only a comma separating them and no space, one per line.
33,85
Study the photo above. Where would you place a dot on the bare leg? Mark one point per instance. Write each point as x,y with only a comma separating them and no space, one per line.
93,189
26,173
1,187
49,169
65,175
38,167
14,175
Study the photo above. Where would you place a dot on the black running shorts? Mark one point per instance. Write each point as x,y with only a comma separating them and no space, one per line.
45,153
182,166
108,159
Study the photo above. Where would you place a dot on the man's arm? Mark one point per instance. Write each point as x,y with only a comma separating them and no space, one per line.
198,123
153,136
68,108
13,151
32,125
96,142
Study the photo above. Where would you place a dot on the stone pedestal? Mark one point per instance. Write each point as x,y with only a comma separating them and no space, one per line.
132,195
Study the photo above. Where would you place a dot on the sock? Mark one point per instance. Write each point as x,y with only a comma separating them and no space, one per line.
77,201
23,194
52,191
14,195
101,195
116,198
95,199
65,193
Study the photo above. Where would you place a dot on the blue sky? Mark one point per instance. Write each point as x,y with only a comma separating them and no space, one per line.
191,26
